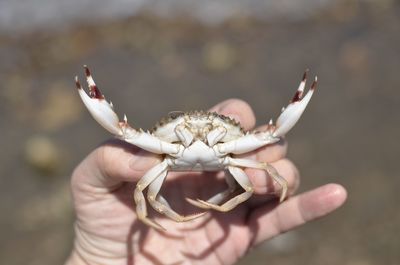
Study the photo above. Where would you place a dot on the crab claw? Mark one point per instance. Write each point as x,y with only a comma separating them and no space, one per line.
101,110
292,113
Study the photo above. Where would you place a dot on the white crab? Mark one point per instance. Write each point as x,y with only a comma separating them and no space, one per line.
196,141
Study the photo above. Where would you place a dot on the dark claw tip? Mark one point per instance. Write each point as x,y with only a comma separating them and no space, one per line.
314,84
87,71
305,74
77,83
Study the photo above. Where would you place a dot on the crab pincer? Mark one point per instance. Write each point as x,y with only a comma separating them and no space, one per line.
292,113
101,110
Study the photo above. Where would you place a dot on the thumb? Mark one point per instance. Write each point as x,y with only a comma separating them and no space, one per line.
111,164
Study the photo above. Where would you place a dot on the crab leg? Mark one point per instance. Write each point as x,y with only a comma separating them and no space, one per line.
157,171
103,113
219,197
243,180
272,172
244,144
160,204
288,118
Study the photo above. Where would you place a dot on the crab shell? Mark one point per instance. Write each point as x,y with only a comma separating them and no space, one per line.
196,141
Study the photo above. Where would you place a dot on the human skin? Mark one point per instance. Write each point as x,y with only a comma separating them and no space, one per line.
107,231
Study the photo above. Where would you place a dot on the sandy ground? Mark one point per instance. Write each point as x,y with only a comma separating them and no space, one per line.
348,134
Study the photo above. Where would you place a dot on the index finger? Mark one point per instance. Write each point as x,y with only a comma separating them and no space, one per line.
266,222
112,163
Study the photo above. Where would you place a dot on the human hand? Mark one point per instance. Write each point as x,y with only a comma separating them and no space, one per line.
108,232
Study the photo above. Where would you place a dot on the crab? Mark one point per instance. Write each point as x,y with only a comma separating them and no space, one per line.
196,141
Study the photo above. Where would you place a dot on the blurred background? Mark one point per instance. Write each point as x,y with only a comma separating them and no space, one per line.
187,55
